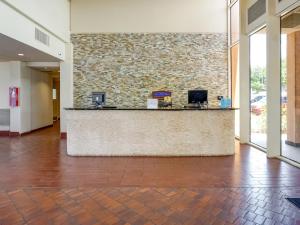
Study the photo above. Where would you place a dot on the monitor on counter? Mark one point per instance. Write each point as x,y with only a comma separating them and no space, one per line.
98,98
197,96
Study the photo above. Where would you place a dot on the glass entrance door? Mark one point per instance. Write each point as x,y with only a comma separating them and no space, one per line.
258,89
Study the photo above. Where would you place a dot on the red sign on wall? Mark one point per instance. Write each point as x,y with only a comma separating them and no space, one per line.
14,93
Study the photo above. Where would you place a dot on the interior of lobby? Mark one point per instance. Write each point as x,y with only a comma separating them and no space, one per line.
163,112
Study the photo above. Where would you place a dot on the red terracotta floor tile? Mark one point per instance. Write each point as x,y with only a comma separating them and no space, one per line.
40,184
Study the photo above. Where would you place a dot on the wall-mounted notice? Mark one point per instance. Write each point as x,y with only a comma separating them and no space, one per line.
152,103
14,93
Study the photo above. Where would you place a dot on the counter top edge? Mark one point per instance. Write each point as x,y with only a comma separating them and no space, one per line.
145,109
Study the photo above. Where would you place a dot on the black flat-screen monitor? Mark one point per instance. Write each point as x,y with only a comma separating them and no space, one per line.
197,96
98,98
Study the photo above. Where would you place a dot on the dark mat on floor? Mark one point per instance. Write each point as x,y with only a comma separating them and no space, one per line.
295,201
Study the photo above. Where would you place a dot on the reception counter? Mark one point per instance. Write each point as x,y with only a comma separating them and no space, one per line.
146,132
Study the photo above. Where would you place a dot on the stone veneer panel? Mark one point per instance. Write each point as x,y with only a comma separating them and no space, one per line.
150,132
129,66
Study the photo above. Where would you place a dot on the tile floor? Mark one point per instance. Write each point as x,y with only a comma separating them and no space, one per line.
40,184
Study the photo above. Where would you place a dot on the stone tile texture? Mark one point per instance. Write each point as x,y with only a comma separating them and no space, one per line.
129,66
150,133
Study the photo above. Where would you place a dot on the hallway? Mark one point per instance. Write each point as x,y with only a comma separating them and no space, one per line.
40,184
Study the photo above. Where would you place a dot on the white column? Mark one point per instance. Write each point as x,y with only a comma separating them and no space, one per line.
20,117
244,76
15,81
66,85
273,81
25,98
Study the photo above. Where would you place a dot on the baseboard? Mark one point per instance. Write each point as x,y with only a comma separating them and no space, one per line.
17,134
14,134
257,147
34,130
4,133
292,143
291,162
25,133
63,135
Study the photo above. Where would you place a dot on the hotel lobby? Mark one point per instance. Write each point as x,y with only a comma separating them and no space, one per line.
141,112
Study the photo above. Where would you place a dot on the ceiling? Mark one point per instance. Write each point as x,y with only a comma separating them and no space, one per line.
10,48
291,22
45,66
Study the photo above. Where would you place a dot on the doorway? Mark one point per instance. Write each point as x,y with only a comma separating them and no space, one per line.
26,93
56,95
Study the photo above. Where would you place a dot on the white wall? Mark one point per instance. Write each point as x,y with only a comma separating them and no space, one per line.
4,87
53,15
273,81
36,108
244,60
25,99
41,99
21,28
15,81
286,5
98,16
4,84
66,86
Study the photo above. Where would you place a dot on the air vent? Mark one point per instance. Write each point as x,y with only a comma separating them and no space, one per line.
256,10
42,37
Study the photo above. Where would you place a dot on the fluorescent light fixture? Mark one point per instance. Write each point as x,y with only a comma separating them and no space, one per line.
20,54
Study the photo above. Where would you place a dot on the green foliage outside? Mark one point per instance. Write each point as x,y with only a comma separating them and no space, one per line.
259,78
258,84
283,75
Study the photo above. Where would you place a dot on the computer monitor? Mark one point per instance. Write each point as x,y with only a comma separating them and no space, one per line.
197,96
98,98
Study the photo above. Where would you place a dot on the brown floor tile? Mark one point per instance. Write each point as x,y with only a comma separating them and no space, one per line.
40,184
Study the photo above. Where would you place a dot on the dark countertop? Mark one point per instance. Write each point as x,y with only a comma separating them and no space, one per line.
161,109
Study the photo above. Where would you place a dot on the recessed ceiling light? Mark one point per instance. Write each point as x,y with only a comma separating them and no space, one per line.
20,54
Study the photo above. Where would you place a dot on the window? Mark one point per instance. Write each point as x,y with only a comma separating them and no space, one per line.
258,97
234,24
54,94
